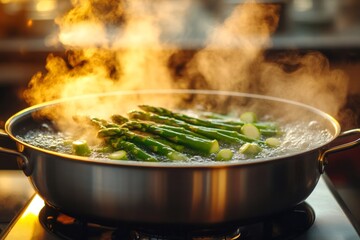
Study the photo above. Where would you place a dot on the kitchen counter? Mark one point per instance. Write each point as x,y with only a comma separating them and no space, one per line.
15,192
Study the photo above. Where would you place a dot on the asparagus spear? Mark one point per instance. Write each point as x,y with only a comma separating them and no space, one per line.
145,141
182,130
246,117
118,119
180,126
177,147
265,128
197,121
137,152
261,125
213,115
203,145
102,123
240,136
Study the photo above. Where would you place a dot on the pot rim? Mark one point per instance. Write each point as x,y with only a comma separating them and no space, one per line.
132,163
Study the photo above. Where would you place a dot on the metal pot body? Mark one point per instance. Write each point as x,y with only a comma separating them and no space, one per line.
179,195
206,193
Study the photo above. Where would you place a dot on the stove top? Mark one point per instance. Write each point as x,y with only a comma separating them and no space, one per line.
286,225
320,217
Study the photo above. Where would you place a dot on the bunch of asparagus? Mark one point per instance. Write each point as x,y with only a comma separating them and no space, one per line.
155,134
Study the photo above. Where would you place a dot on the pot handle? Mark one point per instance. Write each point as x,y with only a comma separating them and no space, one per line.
322,158
22,160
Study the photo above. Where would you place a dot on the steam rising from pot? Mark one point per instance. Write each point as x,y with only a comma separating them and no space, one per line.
126,45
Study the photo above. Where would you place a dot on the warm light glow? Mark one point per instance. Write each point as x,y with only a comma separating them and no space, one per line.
27,226
29,23
34,207
46,5
303,5
219,194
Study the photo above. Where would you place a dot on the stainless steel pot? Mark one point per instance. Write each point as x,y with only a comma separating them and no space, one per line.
198,193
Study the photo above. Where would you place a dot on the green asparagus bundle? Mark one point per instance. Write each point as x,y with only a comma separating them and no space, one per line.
157,133
137,152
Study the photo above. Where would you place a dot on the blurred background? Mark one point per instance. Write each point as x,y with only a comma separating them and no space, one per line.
28,34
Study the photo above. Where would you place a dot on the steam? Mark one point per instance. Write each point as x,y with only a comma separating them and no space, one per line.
120,45
235,48
234,60
311,81
95,34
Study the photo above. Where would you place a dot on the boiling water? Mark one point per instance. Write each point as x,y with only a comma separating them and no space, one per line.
296,138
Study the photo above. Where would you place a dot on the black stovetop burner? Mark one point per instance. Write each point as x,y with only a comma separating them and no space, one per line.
283,226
